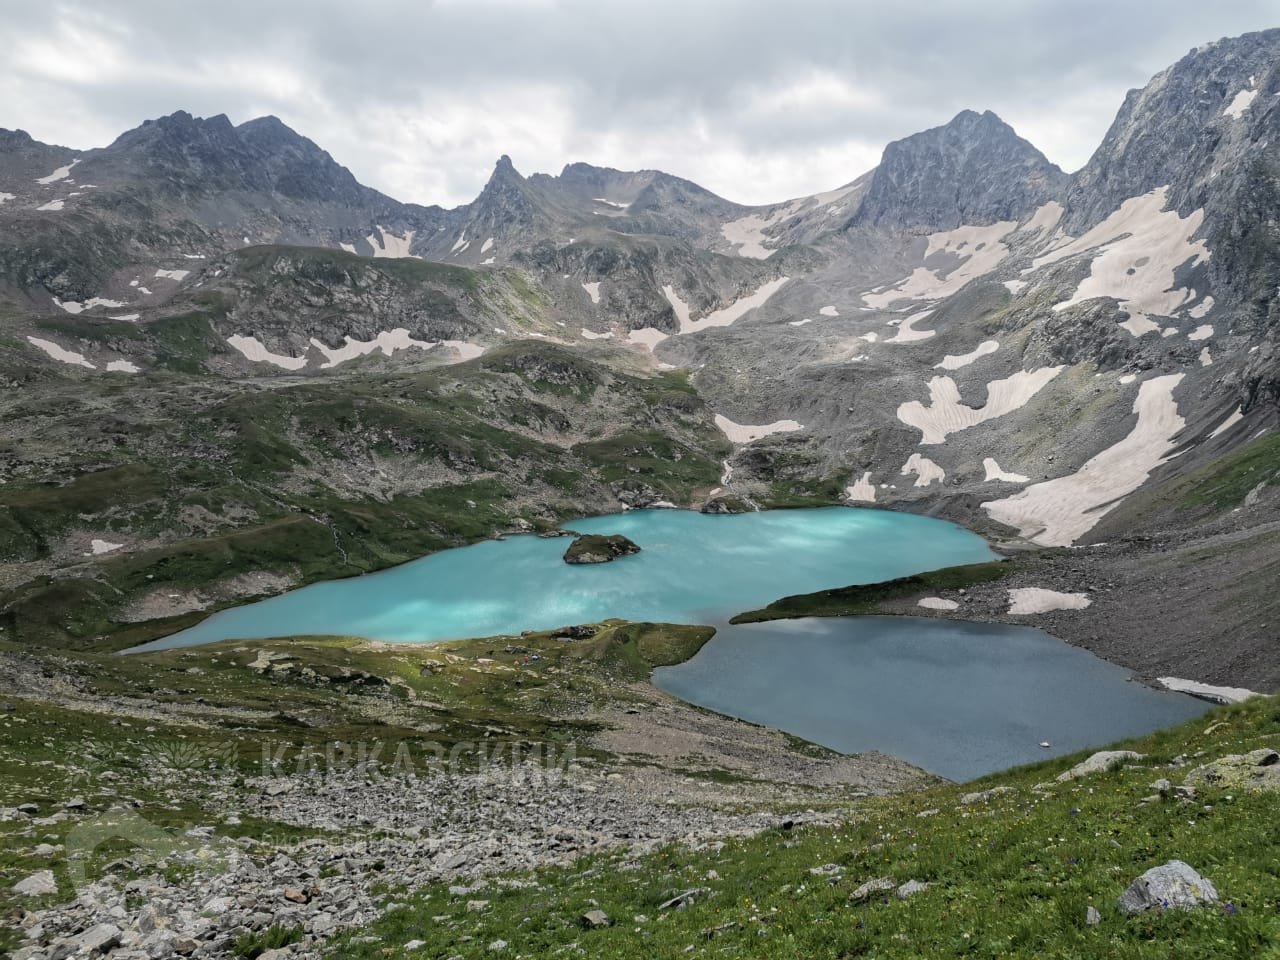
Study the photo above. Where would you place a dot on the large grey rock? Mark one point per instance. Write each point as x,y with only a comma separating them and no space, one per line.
911,888
984,796
1255,771
39,884
1100,762
1173,886
101,937
872,887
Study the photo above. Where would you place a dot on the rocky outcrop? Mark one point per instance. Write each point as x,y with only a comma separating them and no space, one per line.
595,548
1257,770
1173,886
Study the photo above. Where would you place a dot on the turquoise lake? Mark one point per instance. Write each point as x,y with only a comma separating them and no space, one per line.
693,568
958,699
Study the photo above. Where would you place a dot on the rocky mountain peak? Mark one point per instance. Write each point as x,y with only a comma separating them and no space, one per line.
505,200
974,170
1206,111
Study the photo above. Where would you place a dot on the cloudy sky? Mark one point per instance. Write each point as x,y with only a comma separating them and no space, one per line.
759,100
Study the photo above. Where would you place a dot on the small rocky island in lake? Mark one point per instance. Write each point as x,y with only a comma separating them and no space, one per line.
598,548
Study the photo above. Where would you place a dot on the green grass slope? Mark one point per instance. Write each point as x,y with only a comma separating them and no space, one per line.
1009,876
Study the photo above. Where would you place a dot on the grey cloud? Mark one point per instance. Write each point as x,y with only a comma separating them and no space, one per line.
656,84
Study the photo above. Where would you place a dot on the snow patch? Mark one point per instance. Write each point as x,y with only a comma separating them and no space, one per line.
60,174
1128,378
799,323
953,362
945,414
995,473
1201,309
1202,332
387,244
678,306
100,547
487,245
829,311
747,433
926,470
906,334
981,249
1239,104
1015,286
1135,253
61,354
647,337
130,317
178,275
74,306
1208,690
588,335
937,603
1058,512
730,314
1206,358
461,243
122,366
6,196
1045,218
862,491
593,291
53,206
1228,423
388,341
747,235
1024,600
349,247
254,350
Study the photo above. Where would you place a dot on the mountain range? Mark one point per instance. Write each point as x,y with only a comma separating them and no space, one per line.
229,332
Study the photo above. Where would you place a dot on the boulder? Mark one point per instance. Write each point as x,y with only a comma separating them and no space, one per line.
723,506
1099,763
1256,771
597,548
594,919
39,884
682,900
872,887
101,937
1173,886
983,796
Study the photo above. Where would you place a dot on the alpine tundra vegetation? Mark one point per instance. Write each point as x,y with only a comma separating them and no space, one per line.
1039,408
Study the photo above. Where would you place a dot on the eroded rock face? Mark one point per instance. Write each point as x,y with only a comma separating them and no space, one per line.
595,548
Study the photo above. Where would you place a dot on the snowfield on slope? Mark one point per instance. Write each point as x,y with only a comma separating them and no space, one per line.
946,415
981,251
747,433
1135,253
1057,513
